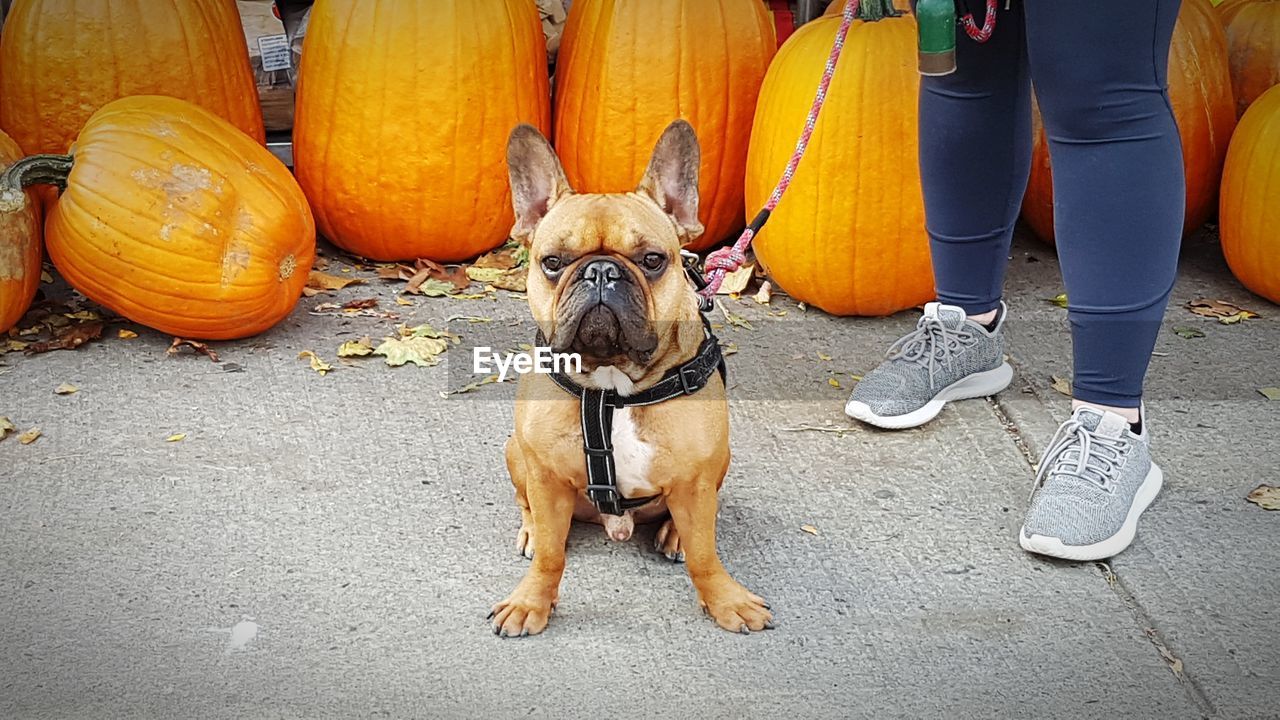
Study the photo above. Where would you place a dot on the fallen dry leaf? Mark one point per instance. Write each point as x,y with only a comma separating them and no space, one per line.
421,351
1060,300
199,348
320,282
1188,333
736,281
362,304
1062,385
400,300
6,427
176,437
1270,393
356,348
66,389
1225,312
510,256
765,293
45,277
69,337
472,387
11,345
825,357
809,529
727,349
1266,497
126,334
833,382
317,364
30,436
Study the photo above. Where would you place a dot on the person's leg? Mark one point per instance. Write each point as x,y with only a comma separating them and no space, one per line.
975,157
1099,69
975,150
1100,74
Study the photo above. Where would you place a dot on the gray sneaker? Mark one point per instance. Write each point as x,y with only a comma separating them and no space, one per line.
947,357
1093,483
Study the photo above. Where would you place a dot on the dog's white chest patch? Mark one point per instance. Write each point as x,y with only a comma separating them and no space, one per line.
632,457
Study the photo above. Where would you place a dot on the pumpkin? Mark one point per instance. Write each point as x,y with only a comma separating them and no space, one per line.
61,60
849,235
1253,44
837,6
19,249
1200,91
1248,213
628,68
175,219
403,114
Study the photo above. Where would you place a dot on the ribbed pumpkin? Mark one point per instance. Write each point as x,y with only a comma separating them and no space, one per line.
1200,90
61,60
1253,42
175,219
849,236
1249,211
19,249
403,112
628,68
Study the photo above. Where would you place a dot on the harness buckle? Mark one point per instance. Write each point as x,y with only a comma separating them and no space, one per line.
689,380
597,452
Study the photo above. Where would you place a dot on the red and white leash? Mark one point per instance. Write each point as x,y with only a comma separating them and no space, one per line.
727,259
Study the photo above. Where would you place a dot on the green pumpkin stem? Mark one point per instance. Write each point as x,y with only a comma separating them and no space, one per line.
34,170
873,10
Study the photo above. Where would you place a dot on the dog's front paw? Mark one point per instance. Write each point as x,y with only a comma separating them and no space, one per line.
667,542
737,609
521,615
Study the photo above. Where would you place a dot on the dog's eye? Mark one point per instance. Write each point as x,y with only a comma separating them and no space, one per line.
654,261
552,264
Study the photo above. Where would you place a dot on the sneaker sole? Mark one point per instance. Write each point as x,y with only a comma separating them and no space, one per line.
1112,546
983,384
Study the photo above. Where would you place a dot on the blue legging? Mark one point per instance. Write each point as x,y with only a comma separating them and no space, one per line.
1099,68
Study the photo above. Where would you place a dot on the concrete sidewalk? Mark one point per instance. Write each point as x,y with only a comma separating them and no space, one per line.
329,546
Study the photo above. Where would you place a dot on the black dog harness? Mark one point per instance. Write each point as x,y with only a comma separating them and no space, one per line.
597,418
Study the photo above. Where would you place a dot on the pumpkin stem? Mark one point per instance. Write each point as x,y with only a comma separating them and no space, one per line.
34,170
873,10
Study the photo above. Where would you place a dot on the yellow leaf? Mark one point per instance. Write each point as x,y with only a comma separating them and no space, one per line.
833,382
1270,393
1266,497
1061,385
45,277
421,350
6,427
1060,300
400,300
66,389
824,357
356,348
317,364
176,437
809,529
127,334
29,436
319,282
736,281
765,294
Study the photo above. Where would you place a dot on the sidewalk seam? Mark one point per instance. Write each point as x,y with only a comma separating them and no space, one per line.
1190,686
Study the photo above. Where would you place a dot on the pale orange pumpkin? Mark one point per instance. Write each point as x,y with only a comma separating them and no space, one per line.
1200,90
176,220
1249,211
19,248
61,60
403,114
849,236
1253,41
628,68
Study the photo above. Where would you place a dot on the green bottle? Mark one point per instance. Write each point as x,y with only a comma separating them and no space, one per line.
936,20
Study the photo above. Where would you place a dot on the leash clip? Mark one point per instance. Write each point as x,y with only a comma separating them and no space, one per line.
693,270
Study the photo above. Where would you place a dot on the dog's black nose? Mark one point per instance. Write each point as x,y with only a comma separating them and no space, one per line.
602,271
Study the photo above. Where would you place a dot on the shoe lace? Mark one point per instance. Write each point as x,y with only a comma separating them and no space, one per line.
1076,451
932,345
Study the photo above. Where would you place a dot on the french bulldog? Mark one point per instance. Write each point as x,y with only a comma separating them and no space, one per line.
606,282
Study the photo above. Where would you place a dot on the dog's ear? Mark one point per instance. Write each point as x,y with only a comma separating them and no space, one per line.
537,179
672,178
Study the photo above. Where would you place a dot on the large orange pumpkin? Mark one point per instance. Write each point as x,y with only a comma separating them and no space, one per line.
404,109
849,236
175,219
1249,211
1253,41
628,68
1200,90
19,248
61,60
